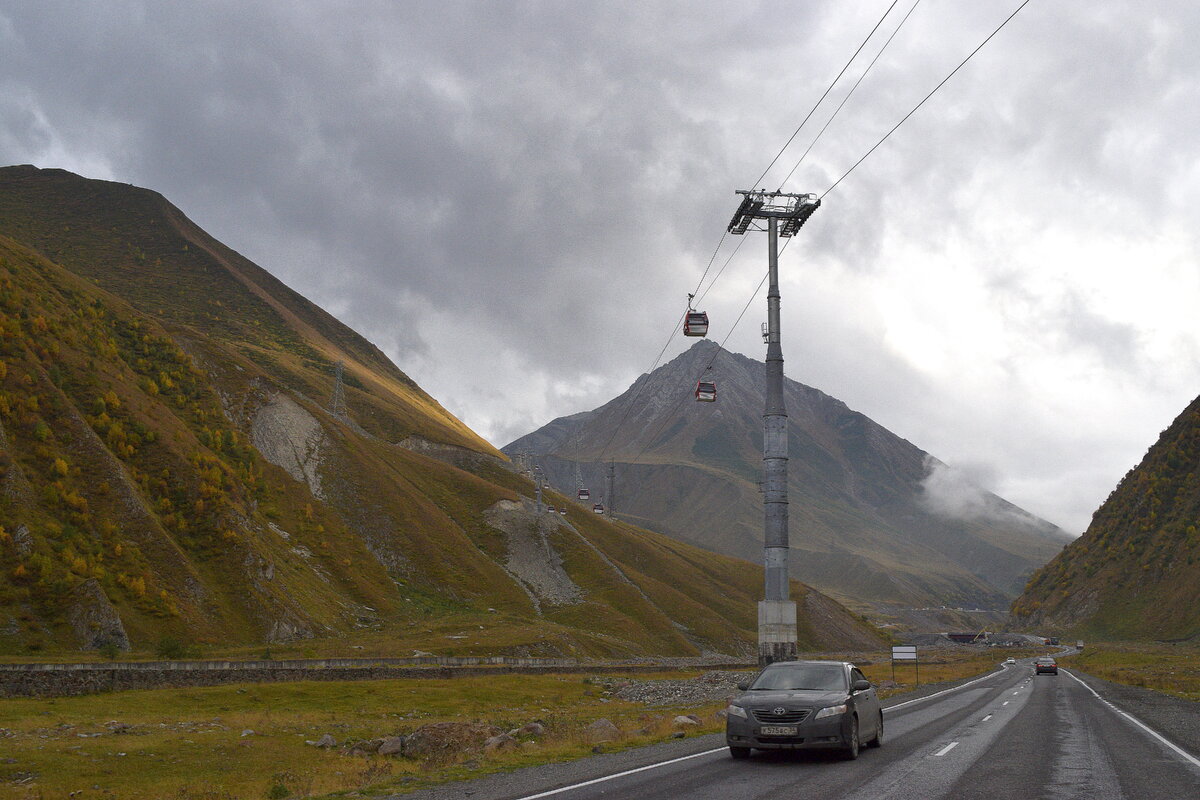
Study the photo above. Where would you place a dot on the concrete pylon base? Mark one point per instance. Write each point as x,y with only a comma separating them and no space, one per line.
776,631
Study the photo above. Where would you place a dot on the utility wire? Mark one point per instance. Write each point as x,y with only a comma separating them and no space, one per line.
630,405
722,269
720,347
795,133
725,234
847,97
710,263
826,94
918,105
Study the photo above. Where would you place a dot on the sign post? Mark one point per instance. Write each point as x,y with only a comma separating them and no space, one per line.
905,653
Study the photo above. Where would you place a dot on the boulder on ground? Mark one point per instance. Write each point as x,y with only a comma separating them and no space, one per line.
602,730
500,743
391,746
443,738
324,741
685,721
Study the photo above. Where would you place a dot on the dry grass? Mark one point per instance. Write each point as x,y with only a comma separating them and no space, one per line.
190,744
1171,669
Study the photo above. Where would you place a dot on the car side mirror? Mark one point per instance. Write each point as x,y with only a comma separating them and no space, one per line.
743,686
861,685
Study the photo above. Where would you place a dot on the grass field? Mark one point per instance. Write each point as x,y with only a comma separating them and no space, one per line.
249,741
1171,669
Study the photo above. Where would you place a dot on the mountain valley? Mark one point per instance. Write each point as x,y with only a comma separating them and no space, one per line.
170,469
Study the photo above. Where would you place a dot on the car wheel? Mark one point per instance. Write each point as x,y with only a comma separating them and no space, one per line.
739,752
851,751
878,740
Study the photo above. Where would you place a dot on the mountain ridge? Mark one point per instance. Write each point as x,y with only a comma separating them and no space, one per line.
1135,572
169,468
850,481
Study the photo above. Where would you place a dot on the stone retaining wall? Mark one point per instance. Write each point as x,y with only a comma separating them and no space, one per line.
56,680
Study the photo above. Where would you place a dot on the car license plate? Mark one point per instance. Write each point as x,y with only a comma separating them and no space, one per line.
777,730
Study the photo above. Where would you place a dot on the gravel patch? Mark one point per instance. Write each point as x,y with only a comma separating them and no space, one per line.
711,687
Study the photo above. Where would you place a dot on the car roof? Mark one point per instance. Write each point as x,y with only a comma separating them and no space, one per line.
812,661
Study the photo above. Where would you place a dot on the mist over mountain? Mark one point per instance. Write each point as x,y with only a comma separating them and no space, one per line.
1135,572
874,519
172,465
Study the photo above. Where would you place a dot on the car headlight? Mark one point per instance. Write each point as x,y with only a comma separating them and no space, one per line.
736,711
832,711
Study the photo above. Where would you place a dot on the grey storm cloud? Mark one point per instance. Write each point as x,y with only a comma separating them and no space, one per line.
512,199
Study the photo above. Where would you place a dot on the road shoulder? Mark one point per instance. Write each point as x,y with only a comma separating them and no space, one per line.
1176,719
545,777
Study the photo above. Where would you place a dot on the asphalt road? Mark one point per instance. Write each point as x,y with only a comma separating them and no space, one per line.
1008,735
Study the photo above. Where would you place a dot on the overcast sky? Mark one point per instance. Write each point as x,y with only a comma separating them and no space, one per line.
512,199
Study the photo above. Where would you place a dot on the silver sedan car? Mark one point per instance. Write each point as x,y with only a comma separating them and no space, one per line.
792,705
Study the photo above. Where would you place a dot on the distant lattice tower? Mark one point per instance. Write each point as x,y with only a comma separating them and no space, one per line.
337,403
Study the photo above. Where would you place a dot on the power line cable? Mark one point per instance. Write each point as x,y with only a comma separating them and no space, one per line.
709,266
720,347
724,235
849,94
918,105
722,269
795,133
823,96
630,405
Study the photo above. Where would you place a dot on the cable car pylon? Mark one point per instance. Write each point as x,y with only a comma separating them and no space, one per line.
784,214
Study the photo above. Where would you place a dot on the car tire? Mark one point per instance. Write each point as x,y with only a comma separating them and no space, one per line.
739,752
852,744
877,741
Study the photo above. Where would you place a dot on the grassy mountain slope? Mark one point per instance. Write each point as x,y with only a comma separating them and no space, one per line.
141,248
167,468
1135,572
860,523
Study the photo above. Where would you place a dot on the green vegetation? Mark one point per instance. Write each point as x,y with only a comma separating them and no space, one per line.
1171,669
192,743
157,395
1135,573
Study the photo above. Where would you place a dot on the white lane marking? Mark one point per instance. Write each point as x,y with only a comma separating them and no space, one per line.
1005,703
989,716
946,749
1174,747
619,775
1016,692
944,691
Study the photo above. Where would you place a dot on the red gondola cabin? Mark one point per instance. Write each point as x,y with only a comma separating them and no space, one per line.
695,323
706,392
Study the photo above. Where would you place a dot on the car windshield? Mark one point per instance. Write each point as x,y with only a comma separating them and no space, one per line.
820,677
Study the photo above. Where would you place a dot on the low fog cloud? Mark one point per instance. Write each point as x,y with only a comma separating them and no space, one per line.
957,494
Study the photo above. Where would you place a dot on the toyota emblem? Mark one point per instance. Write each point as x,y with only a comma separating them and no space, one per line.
780,710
